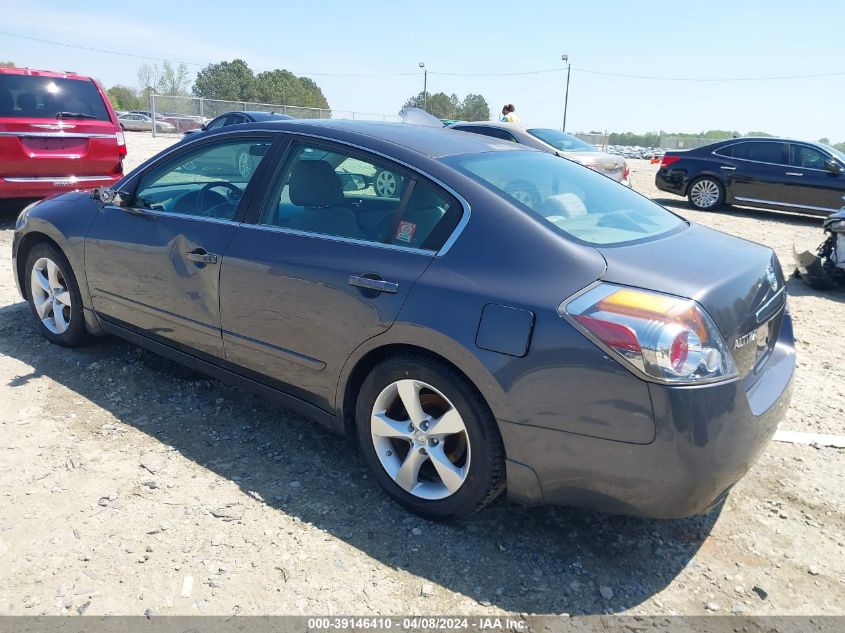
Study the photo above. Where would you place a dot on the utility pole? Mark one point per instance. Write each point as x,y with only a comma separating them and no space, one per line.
425,86
565,58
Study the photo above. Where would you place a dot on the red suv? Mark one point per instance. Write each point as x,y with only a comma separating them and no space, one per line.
58,132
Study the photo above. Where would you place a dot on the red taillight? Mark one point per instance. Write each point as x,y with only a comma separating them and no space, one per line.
668,160
679,351
626,172
121,144
615,335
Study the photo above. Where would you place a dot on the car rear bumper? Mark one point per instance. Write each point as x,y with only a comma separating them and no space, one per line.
671,181
707,438
43,186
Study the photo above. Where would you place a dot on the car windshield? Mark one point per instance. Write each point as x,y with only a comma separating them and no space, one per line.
28,96
561,140
577,201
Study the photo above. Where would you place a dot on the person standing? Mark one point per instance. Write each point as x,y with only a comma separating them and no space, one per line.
508,115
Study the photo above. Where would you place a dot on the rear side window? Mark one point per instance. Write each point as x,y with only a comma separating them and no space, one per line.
339,194
26,96
760,151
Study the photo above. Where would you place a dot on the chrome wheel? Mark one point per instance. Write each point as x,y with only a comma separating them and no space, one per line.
50,295
245,165
386,184
420,439
704,194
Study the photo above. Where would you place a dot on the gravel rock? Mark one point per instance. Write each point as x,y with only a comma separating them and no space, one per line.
606,592
427,590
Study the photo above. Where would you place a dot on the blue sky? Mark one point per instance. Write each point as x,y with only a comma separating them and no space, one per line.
705,40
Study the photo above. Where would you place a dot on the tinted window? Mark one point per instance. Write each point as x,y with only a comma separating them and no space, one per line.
29,96
803,156
579,202
343,195
760,151
488,131
208,181
561,140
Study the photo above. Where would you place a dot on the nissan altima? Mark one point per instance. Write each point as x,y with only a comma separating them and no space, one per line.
590,348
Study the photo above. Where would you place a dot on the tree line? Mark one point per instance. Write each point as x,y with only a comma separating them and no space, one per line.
227,81
471,108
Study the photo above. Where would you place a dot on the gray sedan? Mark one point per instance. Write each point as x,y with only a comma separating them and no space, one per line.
554,142
135,122
590,348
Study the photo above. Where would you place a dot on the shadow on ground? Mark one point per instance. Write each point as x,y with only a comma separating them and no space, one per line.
540,560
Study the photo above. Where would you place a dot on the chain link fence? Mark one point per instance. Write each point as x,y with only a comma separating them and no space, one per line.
176,115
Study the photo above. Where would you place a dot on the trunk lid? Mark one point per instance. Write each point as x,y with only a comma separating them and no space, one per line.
739,283
607,164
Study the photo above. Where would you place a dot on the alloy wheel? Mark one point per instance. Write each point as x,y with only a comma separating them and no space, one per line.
420,439
386,184
704,194
244,165
50,295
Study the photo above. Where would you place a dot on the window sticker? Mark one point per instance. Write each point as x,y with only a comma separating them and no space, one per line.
405,232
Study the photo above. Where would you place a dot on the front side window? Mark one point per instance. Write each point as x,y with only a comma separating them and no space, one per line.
216,123
760,151
807,157
579,202
338,194
208,181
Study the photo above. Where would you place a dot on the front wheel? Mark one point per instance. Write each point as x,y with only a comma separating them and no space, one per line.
54,296
706,194
429,439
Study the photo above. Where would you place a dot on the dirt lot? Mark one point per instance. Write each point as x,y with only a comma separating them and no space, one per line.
128,485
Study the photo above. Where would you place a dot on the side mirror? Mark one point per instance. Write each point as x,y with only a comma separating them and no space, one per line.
833,166
107,195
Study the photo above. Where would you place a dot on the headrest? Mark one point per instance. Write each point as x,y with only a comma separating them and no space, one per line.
313,183
26,101
567,205
424,197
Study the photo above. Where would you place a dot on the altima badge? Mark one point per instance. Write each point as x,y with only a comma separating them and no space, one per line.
742,341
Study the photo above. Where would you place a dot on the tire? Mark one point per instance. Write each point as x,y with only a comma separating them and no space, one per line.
471,458
386,184
244,165
706,193
69,329
524,192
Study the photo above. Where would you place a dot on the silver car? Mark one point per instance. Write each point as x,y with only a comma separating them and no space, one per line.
554,142
136,122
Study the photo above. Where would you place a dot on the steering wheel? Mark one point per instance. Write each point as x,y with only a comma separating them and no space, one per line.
202,194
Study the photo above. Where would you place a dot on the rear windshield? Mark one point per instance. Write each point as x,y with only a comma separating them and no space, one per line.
26,96
572,199
561,140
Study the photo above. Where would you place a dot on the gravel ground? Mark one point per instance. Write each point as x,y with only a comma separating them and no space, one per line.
131,486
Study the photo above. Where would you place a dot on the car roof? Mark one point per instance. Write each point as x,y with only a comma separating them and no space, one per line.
500,124
428,141
43,73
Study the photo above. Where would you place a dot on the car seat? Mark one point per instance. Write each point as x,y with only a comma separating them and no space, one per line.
27,103
425,209
315,186
7,104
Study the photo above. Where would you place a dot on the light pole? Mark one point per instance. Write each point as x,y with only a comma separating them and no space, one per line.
425,87
565,58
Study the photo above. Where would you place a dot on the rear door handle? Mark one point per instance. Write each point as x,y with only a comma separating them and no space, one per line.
794,173
379,285
202,256
728,167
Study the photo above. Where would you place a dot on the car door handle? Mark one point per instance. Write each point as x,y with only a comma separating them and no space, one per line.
202,256
794,173
728,167
379,285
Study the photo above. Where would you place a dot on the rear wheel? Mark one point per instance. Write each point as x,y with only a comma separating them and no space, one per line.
386,184
429,438
706,194
54,296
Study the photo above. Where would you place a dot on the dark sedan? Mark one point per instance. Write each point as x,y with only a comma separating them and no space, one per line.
238,117
767,173
588,350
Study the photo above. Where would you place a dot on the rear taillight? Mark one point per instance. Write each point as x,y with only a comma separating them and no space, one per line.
626,171
121,144
661,337
668,160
